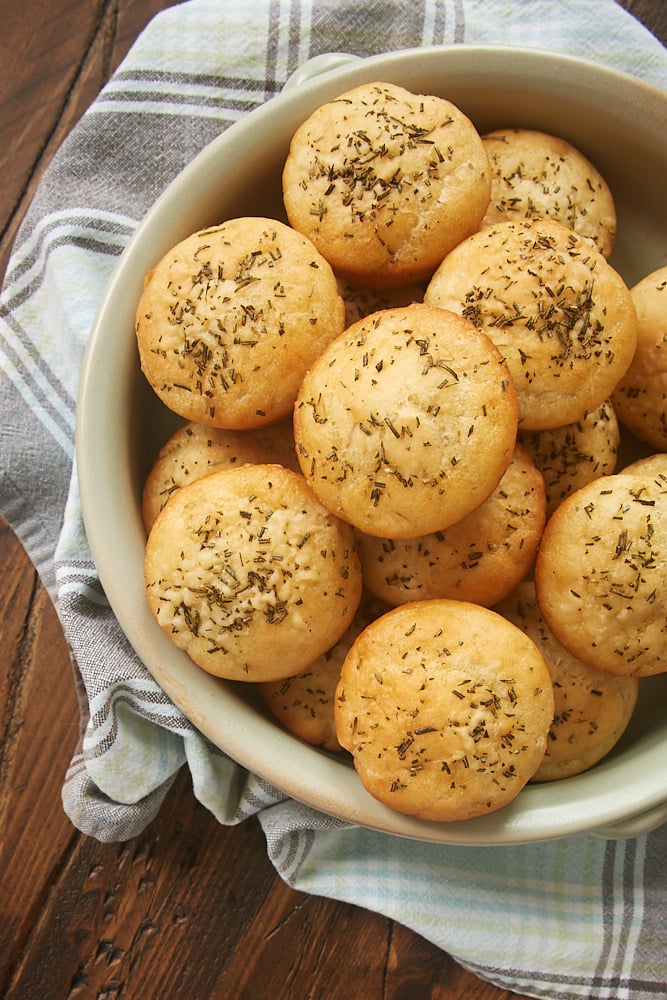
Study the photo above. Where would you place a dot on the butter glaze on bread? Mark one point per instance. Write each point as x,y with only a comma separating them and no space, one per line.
385,182
406,422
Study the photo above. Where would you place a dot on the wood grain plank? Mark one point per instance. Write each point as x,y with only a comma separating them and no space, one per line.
192,909
55,57
38,736
652,13
39,64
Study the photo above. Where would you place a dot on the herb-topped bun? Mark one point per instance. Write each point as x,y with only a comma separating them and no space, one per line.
571,456
592,708
195,450
231,318
250,575
406,422
304,704
385,182
480,558
641,396
445,707
650,465
561,316
535,175
601,574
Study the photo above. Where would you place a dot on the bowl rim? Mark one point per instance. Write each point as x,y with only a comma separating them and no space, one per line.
333,787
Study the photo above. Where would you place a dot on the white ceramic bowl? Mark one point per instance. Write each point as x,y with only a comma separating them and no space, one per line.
621,124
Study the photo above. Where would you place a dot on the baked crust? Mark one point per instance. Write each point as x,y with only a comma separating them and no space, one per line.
250,575
640,398
601,574
535,175
445,708
304,703
571,456
592,708
406,422
561,316
480,559
195,450
231,318
385,182
650,465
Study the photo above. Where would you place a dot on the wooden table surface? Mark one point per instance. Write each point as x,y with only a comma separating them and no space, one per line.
190,909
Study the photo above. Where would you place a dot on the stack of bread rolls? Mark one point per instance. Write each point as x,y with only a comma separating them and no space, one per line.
394,503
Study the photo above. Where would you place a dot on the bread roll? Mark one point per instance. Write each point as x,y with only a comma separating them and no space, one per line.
250,575
535,175
195,450
592,708
571,456
304,703
560,315
385,182
480,558
445,708
601,574
406,422
640,398
230,320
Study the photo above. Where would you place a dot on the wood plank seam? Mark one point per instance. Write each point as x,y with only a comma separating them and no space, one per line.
19,669
102,37
39,913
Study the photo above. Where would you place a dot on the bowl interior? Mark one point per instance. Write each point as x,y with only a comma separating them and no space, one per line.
621,125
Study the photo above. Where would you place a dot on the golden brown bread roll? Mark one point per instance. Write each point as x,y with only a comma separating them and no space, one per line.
406,422
535,175
304,703
385,182
250,575
560,315
592,708
195,450
479,559
640,398
445,708
231,318
601,574
571,456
